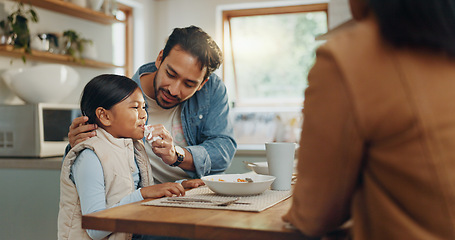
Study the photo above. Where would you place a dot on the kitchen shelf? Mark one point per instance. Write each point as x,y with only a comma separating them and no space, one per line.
8,50
74,10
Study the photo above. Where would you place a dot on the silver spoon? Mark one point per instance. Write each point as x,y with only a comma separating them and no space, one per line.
250,163
249,180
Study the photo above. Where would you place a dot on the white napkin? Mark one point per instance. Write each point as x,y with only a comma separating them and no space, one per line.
148,134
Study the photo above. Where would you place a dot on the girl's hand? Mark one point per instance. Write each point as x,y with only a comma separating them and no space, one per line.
193,183
168,189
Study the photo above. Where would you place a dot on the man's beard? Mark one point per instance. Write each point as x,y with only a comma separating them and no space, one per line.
157,91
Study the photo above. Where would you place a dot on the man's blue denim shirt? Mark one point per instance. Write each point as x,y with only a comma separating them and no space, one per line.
206,125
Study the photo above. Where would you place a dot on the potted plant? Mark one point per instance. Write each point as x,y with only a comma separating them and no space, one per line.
15,26
74,44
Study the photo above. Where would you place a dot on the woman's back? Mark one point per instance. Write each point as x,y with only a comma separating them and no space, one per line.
403,104
378,138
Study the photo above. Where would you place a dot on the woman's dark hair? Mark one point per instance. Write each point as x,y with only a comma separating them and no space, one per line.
428,24
105,91
198,43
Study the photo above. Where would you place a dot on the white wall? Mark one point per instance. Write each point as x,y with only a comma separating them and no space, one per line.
170,14
338,12
144,27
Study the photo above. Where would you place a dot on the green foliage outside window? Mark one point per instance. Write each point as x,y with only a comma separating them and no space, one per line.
273,55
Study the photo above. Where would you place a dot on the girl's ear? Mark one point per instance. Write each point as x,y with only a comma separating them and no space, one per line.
103,116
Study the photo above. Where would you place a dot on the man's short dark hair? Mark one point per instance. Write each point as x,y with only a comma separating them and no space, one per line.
199,44
428,24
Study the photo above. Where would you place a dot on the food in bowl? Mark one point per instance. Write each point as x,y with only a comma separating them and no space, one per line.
238,180
229,184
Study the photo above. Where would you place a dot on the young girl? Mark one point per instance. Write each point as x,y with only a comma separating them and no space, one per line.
112,168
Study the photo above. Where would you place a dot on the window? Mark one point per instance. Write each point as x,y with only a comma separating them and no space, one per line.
268,53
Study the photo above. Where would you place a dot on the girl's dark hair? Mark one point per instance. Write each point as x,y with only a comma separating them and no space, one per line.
105,91
428,24
197,42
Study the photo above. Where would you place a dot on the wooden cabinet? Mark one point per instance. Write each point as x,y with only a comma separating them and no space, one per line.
70,9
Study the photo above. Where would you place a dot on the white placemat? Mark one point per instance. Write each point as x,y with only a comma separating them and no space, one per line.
209,199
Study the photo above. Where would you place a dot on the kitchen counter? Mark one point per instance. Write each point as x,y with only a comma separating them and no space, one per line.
250,150
53,163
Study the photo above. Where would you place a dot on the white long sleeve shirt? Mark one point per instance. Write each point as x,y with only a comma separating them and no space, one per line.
87,174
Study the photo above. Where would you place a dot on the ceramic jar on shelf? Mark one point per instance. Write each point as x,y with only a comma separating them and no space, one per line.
81,3
97,5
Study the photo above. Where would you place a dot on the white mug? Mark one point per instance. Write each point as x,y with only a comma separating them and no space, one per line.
280,159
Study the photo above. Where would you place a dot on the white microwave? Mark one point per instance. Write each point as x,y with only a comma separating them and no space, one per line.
35,130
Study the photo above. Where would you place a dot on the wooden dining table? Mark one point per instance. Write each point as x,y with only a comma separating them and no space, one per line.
194,223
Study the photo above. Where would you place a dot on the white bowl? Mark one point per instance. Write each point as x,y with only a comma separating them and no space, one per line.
259,167
227,184
46,83
263,167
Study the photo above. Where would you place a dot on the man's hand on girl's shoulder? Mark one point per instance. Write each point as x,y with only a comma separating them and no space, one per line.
79,131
